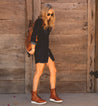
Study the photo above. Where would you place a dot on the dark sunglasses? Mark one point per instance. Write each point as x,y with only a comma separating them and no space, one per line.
50,14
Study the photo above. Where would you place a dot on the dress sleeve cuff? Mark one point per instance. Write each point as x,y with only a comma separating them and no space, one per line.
33,42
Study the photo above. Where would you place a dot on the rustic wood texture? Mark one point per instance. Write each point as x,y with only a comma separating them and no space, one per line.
12,18
64,1
69,45
62,87
28,60
91,45
36,8
96,43
12,35
72,43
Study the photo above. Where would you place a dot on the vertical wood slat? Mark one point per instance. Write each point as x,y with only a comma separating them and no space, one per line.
28,60
96,51
91,45
36,8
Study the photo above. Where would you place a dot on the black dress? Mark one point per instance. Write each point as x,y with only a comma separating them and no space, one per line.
42,50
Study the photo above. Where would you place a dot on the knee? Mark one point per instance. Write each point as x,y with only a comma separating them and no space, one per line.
39,72
53,70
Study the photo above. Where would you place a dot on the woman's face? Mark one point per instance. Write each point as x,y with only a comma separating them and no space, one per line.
50,14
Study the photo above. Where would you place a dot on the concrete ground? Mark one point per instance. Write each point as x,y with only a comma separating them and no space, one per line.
70,99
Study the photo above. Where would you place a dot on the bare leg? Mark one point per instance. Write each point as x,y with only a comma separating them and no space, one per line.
35,98
37,74
52,69
53,95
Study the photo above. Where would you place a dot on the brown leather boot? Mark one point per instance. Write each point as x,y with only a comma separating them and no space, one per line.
36,99
54,97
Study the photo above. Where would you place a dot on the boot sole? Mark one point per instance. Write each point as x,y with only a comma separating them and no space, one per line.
38,103
53,100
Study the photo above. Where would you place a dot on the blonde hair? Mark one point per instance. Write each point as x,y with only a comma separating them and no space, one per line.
43,15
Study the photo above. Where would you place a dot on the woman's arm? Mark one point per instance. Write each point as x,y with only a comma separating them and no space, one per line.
35,32
33,46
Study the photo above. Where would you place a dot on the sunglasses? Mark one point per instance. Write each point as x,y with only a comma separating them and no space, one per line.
50,14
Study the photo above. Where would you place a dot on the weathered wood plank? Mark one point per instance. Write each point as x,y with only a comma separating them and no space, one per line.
11,86
37,8
71,75
12,73
29,10
13,9
68,16
60,65
11,56
16,60
96,44
91,45
65,75
73,39
68,6
12,18
96,86
70,67
12,49
64,86
28,60
68,44
12,27
64,1
12,41
71,58
70,28
69,49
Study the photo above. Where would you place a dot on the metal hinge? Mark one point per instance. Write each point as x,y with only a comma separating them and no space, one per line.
94,73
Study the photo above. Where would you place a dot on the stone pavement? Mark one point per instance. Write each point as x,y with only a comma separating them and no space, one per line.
70,99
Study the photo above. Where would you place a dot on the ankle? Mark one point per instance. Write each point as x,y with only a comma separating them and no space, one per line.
53,88
34,92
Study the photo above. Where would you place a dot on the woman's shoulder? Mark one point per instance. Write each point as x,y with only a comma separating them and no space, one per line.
39,21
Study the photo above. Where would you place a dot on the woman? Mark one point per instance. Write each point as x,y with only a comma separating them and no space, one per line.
42,27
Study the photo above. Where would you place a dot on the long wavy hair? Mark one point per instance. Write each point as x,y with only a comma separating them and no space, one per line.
43,15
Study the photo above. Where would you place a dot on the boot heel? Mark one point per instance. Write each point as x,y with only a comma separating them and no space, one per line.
53,100
54,97
36,99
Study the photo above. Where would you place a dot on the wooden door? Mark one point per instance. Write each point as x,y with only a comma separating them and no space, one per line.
12,34
72,44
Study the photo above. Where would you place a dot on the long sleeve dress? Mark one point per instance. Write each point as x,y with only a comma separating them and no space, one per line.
42,50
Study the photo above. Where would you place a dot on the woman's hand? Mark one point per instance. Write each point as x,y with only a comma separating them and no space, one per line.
31,51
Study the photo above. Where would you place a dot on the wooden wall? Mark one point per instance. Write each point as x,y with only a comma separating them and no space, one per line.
71,42
12,34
